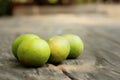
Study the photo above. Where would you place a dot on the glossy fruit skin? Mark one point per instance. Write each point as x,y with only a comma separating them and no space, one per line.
18,41
76,45
60,48
33,52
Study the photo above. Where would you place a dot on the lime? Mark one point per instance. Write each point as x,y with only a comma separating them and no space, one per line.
18,41
33,52
59,49
76,45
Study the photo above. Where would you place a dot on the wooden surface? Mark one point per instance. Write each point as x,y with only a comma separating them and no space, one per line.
99,61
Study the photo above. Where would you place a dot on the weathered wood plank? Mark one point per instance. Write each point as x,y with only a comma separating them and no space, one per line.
99,61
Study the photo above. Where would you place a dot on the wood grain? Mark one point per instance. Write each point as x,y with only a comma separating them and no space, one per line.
99,61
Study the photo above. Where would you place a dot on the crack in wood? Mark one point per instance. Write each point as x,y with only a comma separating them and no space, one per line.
37,71
102,60
69,75
91,76
117,72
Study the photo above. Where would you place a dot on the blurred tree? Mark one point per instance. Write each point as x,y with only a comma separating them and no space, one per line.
67,2
52,1
5,7
80,1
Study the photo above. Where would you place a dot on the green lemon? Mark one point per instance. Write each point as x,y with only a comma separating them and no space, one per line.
76,45
18,41
60,48
33,52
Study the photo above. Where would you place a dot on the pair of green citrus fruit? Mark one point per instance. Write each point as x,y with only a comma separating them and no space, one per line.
33,51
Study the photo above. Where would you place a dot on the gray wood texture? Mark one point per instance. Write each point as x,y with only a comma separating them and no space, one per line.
99,61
